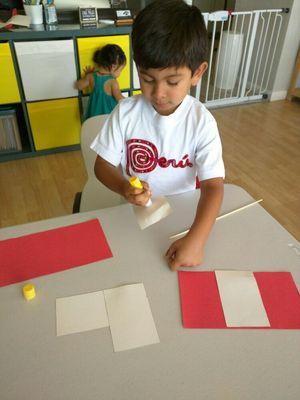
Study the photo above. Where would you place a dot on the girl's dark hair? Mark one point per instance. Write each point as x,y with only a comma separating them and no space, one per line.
169,33
109,55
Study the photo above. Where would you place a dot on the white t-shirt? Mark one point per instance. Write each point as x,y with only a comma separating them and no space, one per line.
165,151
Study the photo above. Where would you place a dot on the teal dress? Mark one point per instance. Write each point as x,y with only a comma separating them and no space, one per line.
99,101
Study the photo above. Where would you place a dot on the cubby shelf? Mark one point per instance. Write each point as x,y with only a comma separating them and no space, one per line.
39,69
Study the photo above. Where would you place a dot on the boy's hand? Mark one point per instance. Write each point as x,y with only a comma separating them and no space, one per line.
189,251
138,197
185,252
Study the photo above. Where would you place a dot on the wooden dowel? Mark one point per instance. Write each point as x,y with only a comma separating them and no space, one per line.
221,216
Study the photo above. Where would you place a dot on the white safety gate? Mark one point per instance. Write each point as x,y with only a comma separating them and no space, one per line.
243,49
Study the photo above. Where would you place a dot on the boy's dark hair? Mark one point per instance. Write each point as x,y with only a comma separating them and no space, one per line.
169,33
109,55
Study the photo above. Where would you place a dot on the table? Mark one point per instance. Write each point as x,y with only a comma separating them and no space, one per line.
186,364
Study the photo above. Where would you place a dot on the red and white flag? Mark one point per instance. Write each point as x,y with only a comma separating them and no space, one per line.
239,299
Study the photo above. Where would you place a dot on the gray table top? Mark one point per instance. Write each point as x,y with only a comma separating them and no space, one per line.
187,363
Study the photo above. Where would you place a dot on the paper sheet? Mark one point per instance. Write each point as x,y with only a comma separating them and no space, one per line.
55,250
281,299
147,216
80,313
21,20
130,318
200,301
241,300
201,304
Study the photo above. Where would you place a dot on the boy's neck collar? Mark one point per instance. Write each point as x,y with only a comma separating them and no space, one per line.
172,114
167,121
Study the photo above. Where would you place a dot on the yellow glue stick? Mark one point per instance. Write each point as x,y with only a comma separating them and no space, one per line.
136,183
29,291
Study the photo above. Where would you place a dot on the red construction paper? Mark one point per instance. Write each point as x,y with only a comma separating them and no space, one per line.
281,299
200,301
55,250
201,305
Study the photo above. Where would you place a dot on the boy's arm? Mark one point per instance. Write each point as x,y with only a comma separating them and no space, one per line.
188,251
112,178
115,90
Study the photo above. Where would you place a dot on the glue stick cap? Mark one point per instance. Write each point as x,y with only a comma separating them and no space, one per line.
135,182
29,291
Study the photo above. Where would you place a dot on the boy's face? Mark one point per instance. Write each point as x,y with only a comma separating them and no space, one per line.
166,88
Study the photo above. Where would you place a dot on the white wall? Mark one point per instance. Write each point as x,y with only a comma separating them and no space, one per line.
288,55
73,4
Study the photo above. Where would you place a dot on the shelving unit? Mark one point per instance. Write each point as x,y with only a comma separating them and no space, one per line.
38,70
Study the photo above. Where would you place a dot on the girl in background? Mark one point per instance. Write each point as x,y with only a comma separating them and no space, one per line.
105,91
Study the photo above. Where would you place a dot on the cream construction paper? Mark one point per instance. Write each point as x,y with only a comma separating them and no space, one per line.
80,313
20,20
130,318
241,300
147,216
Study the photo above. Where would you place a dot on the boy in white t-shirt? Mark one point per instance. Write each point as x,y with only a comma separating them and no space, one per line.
166,137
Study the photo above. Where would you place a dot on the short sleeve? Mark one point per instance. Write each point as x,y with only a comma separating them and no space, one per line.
108,144
208,158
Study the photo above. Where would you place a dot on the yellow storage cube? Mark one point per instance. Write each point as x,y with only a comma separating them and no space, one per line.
9,92
88,46
54,123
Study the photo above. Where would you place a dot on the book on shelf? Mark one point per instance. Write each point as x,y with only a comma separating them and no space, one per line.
120,22
10,139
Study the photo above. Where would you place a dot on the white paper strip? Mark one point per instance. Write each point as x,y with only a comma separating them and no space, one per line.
241,299
130,318
147,216
80,313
